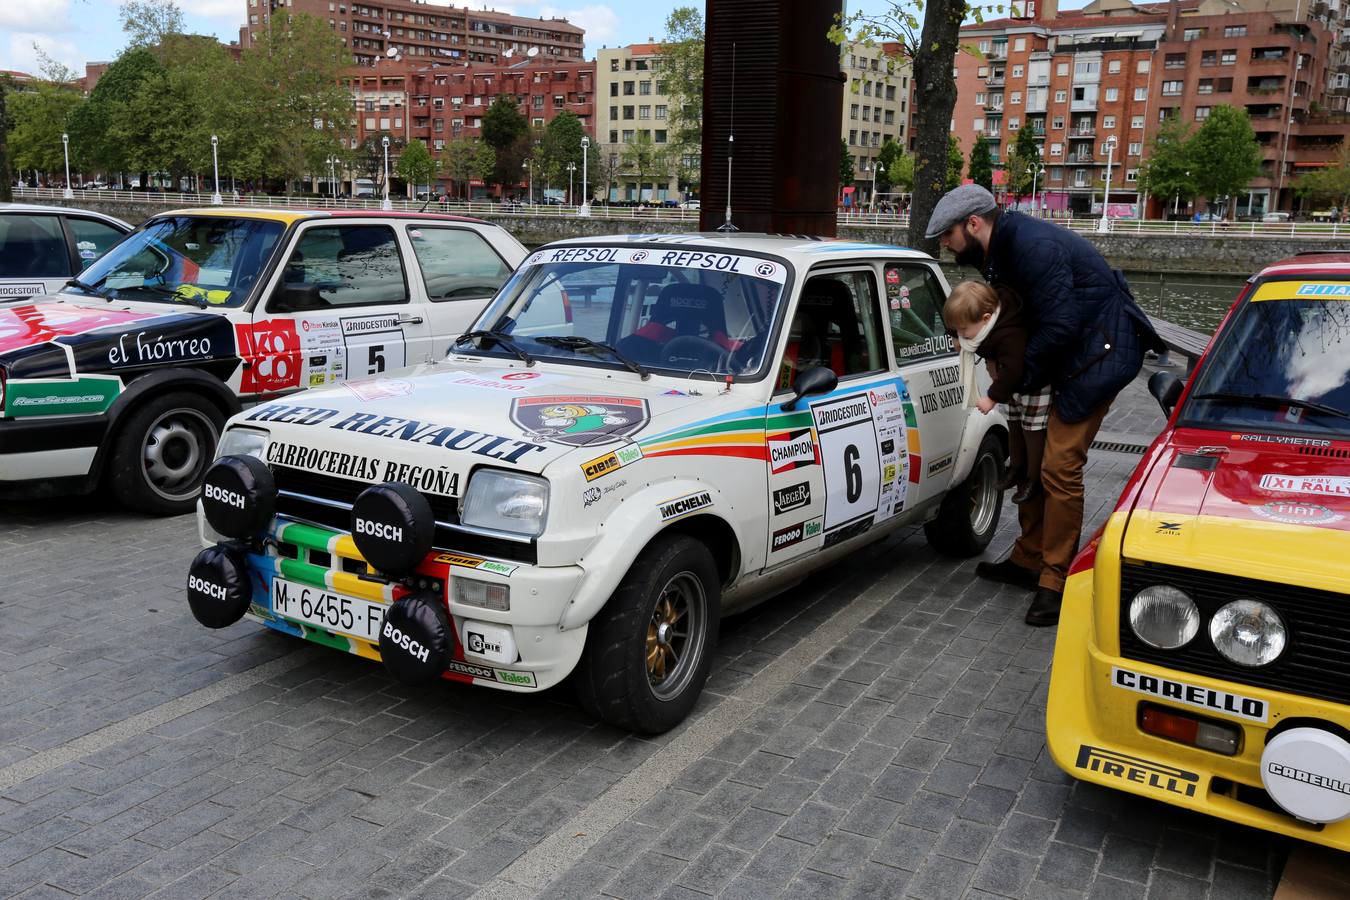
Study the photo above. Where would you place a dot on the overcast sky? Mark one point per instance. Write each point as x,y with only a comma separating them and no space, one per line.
78,31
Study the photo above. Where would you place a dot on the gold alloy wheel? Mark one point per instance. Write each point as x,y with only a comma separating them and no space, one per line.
675,634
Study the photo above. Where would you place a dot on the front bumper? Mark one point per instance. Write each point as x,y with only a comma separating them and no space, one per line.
329,559
49,455
1093,731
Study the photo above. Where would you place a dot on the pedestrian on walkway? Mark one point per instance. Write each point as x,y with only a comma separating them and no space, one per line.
1087,338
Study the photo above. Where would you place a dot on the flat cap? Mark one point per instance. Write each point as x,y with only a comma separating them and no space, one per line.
957,205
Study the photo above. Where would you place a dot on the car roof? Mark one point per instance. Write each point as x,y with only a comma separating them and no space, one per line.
41,209
801,249
296,215
1332,263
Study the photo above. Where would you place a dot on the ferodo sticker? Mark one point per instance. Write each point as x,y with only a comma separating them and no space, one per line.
1318,485
1249,708
487,673
610,462
1164,778
475,562
60,396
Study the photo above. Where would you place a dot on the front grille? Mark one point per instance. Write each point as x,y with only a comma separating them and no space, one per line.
327,500
1316,659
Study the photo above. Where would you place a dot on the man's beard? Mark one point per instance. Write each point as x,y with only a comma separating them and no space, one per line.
973,254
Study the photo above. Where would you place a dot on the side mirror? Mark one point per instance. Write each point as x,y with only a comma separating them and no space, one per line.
295,298
815,380
1166,389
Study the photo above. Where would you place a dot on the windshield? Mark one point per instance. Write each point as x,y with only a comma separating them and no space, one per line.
196,260
670,310
1281,364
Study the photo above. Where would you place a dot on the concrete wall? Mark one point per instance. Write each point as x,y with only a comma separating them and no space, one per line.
1220,254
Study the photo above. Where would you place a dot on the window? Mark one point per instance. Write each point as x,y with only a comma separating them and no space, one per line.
1056,149
979,98
1014,123
628,135
1015,97
33,247
645,88
1136,121
1056,174
1061,96
661,136
1107,147
661,111
1227,57
837,325
613,136
916,299
1136,148
1112,95
1131,174
1167,112
644,112
1201,113
1017,72
1209,58
1224,85
1087,67
1057,123
982,72
92,238
1174,61
613,113
628,112
853,109
1193,34
344,265
456,263
1108,122
977,125
1019,44
628,88
1171,88
1062,68
1205,86
1113,66
1235,31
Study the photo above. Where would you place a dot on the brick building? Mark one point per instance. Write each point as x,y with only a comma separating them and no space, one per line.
1095,84
877,86
419,30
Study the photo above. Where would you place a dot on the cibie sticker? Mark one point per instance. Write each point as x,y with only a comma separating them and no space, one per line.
1319,485
1249,708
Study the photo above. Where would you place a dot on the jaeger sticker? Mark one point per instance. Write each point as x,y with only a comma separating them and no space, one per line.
580,420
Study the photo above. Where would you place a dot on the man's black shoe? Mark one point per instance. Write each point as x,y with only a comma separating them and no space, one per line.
1008,572
1044,609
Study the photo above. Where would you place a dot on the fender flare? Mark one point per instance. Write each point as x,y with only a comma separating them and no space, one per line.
977,425
144,386
625,533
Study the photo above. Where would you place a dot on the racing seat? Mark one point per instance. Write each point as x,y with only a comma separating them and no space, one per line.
680,310
824,332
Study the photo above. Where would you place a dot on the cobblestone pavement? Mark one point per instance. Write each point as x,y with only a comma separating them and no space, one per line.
877,732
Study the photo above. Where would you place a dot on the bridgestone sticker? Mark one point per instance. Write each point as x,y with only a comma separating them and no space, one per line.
1248,708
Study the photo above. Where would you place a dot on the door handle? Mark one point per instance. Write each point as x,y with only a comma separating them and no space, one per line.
406,319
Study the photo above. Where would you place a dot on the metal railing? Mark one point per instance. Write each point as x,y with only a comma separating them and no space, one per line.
860,217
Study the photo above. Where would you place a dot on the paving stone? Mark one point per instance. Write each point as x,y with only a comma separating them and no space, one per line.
940,877
841,854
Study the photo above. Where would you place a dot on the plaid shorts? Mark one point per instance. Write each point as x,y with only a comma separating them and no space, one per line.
1031,411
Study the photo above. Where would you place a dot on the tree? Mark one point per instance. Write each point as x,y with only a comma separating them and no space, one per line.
484,162
955,163
643,157
981,167
846,173
682,72
1166,171
6,175
1331,184
40,117
369,161
932,48
1023,163
109,105
559,146
508,134
457,162
416,165
604,169
148,22
1226,154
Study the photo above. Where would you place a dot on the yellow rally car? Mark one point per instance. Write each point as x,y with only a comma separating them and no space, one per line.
1203,655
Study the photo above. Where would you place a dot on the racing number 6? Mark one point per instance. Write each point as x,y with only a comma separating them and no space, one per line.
853,475
376,364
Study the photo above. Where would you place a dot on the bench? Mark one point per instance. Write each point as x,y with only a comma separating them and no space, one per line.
1190,344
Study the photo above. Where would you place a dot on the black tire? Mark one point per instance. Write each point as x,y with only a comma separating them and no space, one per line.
622,677
161,453
969,514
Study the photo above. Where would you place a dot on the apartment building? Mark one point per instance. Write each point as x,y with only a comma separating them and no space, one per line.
1095,85
419,30
878,84
631,101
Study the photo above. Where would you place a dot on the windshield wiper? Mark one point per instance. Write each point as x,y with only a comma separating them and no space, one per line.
164,291
97,292
500,338
1274,400
578,344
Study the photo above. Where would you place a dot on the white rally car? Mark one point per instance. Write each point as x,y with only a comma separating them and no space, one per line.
714,417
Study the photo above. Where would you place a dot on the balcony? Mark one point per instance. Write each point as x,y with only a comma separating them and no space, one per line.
1082,133
994,105
994,81
1079,159
1083,106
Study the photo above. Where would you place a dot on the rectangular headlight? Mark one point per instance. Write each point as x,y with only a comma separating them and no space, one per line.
483,594
506,501
243,442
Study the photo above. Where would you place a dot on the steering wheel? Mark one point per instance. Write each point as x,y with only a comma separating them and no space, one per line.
701,353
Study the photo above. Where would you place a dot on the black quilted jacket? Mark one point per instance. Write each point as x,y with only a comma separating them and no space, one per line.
1087,333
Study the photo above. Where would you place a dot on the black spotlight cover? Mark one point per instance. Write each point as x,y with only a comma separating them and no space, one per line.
393,527
217,587
239,496
415,640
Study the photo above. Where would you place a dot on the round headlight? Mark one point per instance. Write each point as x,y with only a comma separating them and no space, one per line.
1248,632
1164,617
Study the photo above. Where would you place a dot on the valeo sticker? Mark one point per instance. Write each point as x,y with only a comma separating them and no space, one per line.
85,395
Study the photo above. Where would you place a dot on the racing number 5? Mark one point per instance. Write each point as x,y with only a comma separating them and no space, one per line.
376,361
853,474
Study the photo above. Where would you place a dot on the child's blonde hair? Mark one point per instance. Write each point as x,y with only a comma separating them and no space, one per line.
969,302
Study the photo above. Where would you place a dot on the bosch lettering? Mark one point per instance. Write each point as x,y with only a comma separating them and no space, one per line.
381,530
405,642
220,495
201,586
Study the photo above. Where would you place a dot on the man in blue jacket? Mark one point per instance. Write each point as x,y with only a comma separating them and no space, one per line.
1087,340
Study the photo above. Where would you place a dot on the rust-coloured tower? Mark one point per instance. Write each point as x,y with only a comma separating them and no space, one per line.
783,110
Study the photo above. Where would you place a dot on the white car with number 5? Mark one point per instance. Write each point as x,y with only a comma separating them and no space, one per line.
587,493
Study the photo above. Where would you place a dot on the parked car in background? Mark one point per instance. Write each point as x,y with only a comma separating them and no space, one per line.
1276,217
127,375
43,246
1203,654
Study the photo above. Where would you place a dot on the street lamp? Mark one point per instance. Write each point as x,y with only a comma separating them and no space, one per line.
1176,202
215,165
386,205
529,163
332,177
1036,168
585,158
877,171
1105,224
571,167
65,148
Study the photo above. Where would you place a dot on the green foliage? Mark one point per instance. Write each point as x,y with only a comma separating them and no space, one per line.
484,162
644,158
1167,170
955,163
507,132
846,173
981,167
898,168
682,72
40,117
148,22
109,103
416,166
1023,166
559,145
1226,153
458,162
1329,185
368,161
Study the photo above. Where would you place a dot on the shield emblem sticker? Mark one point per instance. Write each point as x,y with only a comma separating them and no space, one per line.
579,421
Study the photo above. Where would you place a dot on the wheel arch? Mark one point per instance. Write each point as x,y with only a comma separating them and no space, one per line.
146,387
978,425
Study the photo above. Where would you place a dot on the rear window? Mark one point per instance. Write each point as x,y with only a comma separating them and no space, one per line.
92,238
32,247
457,263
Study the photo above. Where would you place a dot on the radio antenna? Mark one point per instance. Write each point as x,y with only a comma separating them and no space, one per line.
731,144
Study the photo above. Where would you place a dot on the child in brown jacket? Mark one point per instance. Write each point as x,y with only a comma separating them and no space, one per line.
989,323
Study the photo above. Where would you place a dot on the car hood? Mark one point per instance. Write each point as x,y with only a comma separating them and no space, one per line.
431,425
28,323
1274,507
